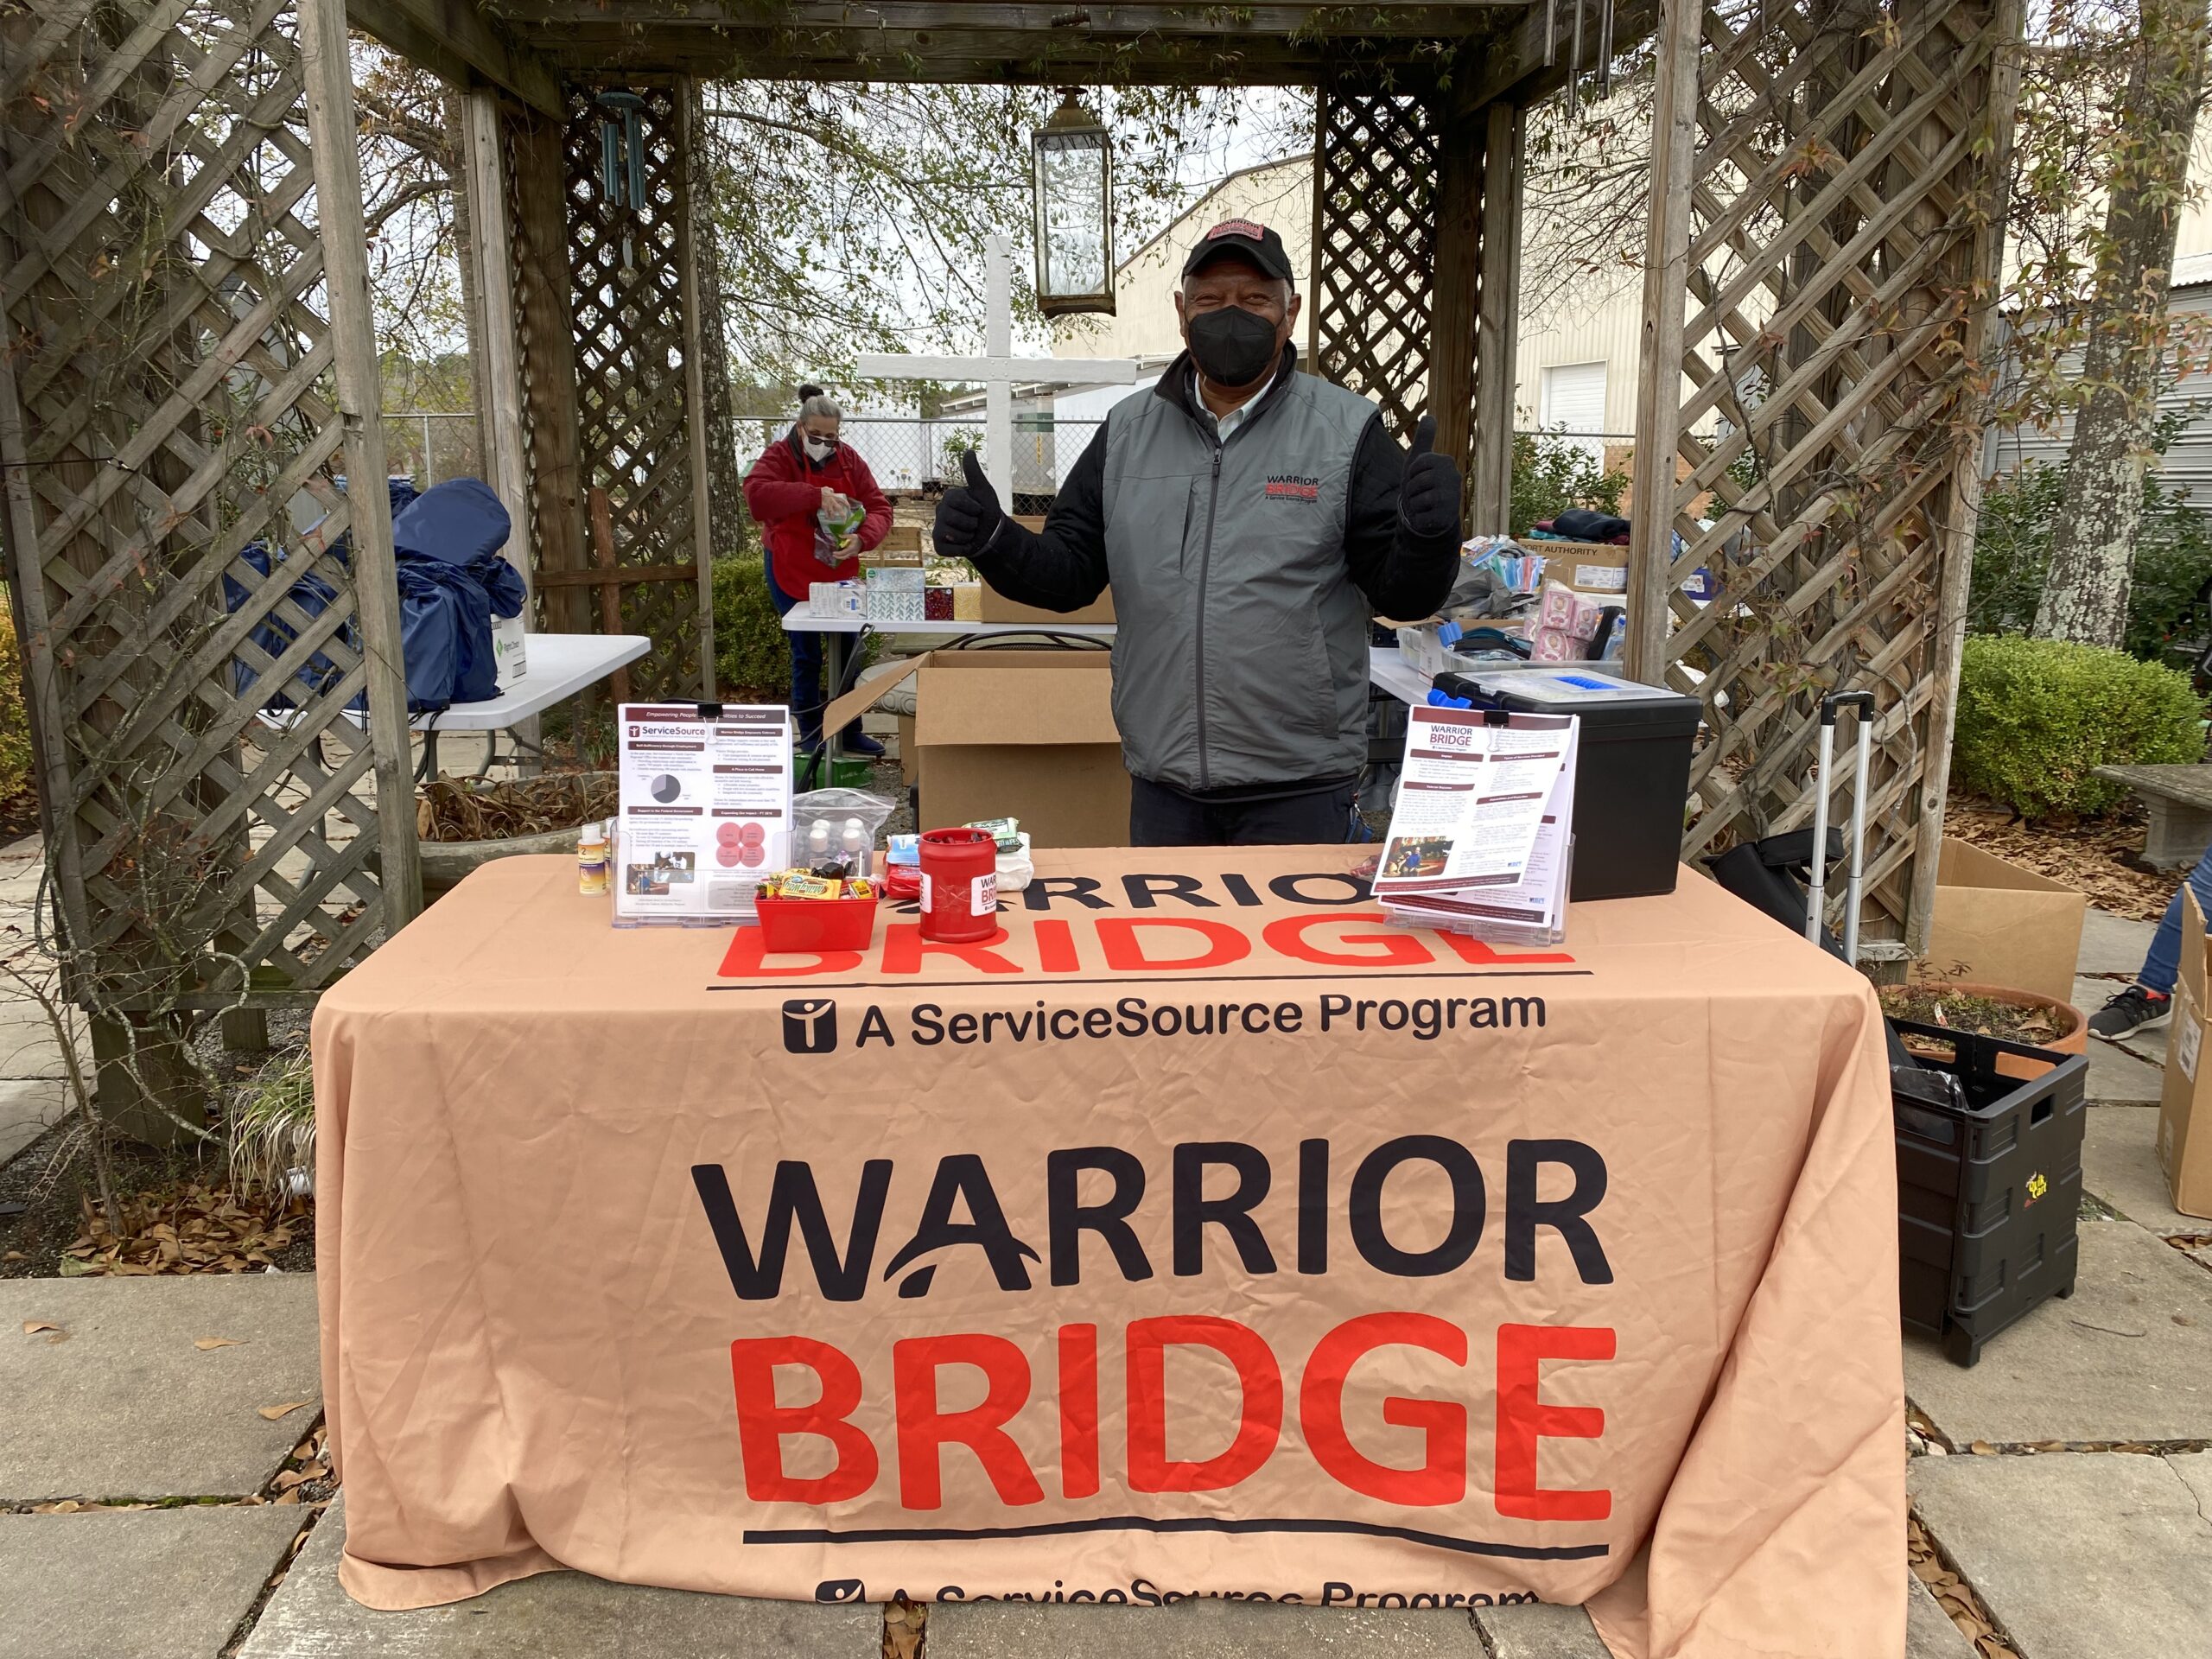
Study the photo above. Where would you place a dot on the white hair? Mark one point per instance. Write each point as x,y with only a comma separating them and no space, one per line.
820,404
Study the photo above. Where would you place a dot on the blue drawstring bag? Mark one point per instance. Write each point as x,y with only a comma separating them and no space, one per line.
453,580
313,596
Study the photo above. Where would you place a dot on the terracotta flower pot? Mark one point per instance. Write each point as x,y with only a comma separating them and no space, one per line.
2074,1025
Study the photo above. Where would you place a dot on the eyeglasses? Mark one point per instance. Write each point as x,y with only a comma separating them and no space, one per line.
815,437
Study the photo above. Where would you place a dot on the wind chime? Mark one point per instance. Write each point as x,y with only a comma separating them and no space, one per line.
1605,65
622,163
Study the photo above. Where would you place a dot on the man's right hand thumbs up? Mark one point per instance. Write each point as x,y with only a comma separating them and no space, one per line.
969,516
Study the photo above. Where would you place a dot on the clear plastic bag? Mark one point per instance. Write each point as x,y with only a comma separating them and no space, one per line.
836,808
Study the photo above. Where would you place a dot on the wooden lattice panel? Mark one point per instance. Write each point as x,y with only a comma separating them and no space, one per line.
626,284
1836,221
1375,230
170,440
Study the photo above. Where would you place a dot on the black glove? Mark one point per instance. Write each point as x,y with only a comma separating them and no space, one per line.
1429,497
970,516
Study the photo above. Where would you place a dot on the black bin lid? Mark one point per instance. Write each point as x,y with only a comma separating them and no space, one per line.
1608,704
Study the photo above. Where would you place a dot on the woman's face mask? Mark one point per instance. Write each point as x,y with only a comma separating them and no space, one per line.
818,449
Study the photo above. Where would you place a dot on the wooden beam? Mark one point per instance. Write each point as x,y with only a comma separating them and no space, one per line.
603,45
454,37
1496,371
694,384
956,23
623,575
547,338
333,129
1659,357
1454,296
1529,64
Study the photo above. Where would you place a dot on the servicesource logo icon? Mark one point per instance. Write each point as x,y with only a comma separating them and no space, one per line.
809,1024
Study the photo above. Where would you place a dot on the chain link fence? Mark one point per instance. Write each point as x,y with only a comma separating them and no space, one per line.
909,454
920,454
431,446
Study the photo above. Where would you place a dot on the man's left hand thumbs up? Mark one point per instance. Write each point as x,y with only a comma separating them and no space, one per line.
1429,497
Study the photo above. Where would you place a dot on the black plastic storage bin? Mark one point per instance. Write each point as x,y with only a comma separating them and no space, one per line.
1633,773
1987,1195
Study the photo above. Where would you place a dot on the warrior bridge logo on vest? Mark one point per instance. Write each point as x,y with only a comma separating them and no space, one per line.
1293,486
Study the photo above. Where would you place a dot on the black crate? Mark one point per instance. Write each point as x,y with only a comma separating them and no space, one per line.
1987,1195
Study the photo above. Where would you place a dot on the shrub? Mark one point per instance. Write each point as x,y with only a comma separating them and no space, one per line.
15,715
751,661
1552,473
2036,717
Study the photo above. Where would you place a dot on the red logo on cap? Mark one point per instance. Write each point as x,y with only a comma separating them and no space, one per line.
1237,227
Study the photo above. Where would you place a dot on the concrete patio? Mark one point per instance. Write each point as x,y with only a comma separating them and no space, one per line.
2065,1478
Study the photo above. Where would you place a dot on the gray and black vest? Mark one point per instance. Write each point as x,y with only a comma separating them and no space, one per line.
1240,648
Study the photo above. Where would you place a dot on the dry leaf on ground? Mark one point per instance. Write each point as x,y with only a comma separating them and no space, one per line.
203,1344
2092,856
903,1625
32,1327
272,1412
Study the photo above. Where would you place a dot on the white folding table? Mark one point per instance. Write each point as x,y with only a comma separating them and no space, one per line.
557,666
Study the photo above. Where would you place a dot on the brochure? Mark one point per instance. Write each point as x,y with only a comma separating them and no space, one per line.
704,810
1482,836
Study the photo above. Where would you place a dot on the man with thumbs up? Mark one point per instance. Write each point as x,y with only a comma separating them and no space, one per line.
1250,520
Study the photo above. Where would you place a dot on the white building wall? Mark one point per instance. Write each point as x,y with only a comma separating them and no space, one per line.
1279,195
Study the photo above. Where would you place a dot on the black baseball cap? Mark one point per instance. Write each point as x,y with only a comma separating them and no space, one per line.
1246,240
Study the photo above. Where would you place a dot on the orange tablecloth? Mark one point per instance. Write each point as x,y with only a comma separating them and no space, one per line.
1200,1235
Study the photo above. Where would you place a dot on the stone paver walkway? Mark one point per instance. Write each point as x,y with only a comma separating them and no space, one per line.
125,1404
157,1584
2081,1524
32,1093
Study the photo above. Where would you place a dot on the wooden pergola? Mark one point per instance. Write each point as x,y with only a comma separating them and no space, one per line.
190,363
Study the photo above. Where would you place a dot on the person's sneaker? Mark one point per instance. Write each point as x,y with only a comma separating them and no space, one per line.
2133,1009
861,744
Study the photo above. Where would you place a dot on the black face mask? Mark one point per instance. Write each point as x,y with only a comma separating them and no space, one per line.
1232,347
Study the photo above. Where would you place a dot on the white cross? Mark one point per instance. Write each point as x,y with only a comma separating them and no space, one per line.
998,369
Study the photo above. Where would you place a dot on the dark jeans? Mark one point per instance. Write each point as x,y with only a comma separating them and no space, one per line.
807,658
1160,817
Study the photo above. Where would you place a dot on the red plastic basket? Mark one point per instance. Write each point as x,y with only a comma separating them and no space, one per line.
816,923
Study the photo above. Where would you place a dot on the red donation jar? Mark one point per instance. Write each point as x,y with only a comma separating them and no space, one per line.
960,884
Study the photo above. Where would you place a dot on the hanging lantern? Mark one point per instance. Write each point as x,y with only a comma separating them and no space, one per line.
1074,168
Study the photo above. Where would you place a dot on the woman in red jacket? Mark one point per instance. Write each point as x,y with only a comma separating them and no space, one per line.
803,480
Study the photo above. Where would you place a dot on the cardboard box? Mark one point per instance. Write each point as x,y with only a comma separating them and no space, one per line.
2003,924
1598,569
2184,1154
993,605
1011,733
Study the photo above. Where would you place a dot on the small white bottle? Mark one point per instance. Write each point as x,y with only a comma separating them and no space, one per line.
854,848
817,843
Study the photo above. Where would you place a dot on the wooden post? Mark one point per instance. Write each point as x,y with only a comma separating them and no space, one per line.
610,591
695,388
1494,365
491,252
1313,231
328,65
1955,522
1659,359
546,322
496,347
1454,296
